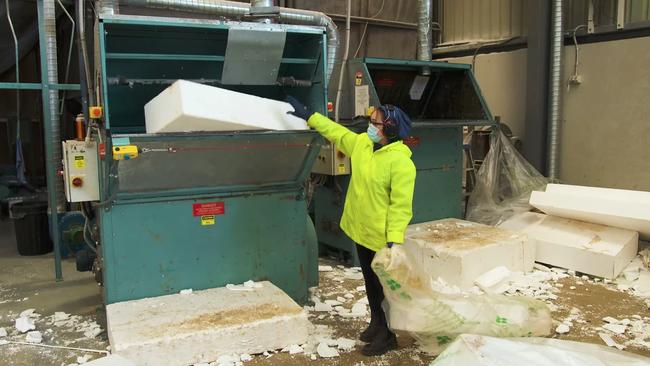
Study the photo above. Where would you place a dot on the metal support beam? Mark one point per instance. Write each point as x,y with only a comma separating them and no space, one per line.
50,100
375,21
37,86
620,14
590,17
535,132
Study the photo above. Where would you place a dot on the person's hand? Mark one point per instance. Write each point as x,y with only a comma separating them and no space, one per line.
300,110
390,244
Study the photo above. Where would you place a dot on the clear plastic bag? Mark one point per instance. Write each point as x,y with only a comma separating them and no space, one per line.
477,350
434,319
503,183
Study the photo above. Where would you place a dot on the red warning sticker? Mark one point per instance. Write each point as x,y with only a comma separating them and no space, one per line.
211,208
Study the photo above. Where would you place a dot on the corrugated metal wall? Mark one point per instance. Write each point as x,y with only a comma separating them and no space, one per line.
467,21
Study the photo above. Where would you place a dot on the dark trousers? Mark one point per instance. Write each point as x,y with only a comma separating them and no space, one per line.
374,291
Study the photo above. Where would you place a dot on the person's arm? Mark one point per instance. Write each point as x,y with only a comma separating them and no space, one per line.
343,138
400,208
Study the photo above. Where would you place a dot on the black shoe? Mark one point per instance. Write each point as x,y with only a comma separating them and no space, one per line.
381,344
371,332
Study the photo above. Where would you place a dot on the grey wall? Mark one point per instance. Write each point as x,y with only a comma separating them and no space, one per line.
605,126
606,120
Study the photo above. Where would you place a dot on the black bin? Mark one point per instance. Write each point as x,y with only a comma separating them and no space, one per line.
31,227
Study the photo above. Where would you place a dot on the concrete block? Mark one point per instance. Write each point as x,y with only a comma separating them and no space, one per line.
187,107
460,251
593,249
611,207
201,327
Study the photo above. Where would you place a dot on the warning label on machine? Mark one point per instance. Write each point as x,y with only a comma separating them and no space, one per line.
207,220
211,208
79,161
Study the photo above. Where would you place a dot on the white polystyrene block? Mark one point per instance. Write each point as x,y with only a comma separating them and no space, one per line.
460,251
191,107
620,194
593,249
111,360
612,209
189,329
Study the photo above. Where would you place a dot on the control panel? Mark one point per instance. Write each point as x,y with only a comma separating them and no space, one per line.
80,171
331,161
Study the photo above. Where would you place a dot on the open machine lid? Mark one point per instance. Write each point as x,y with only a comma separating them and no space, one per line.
448,95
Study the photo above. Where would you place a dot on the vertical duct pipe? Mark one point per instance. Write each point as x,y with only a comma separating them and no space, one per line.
108,7
262,3
555,70
236,10
424,34
344,62
49,76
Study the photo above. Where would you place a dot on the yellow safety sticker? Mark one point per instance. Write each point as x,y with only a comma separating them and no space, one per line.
79,162
341,168
207,220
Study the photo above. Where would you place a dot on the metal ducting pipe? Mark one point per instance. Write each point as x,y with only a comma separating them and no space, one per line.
262,3
52,128
425,42
555,70
49,12
235,10
108,7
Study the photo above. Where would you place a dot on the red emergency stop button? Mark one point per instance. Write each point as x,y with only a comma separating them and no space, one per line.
77,182
95,112
330,107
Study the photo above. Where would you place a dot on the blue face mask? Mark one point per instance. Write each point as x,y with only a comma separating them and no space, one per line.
373,134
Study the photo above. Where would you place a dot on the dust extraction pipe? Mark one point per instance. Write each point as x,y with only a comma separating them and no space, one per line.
235,10
109,7
554,90
424,34
49,12
52,126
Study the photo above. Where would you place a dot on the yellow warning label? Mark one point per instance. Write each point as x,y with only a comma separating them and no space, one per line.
341,168
207,220
79,162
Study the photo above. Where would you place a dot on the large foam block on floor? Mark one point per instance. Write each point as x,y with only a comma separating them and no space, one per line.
619,194
593,249
612,207
186,106
200,327
459,251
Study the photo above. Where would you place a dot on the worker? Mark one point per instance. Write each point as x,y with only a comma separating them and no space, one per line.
379,203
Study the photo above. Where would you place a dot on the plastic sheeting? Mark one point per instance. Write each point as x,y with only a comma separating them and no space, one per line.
476,350
503,183
434,319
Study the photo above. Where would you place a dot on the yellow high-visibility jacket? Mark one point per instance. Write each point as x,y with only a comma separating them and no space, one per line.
379,202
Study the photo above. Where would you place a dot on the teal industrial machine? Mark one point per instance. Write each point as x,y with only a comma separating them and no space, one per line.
441,99
202,210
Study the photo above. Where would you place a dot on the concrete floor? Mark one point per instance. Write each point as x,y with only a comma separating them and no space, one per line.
28,282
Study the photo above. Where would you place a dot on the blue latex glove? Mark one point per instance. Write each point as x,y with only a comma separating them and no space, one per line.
301,110
390,245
